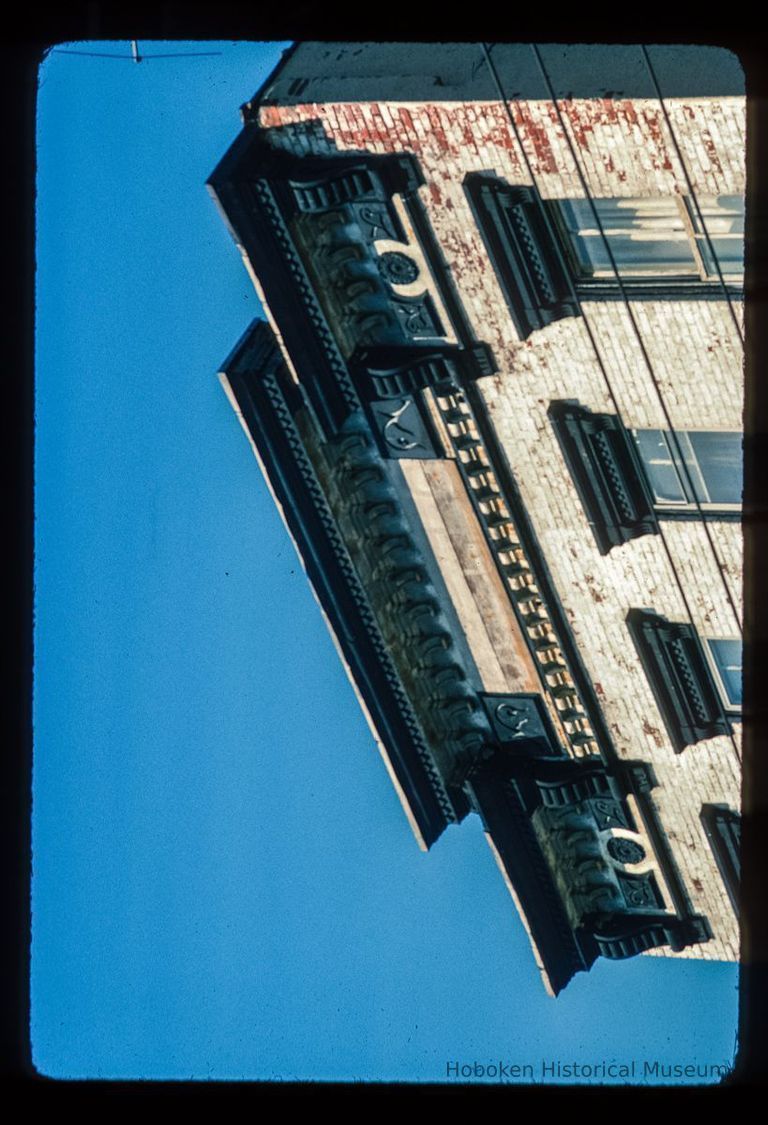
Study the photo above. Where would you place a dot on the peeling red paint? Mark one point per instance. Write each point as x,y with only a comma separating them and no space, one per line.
660,159
709,145
406,118
610,110
653,732
438,130
499,131
269,116
536,136
628,111
580,125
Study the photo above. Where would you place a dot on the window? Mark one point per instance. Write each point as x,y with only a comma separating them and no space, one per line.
723,217
726,658
663,239
723,828
682,677
628,479
713,460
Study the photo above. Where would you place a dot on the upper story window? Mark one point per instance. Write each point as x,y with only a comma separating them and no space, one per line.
682,670
664,239
700,468
723,829
606,471
629,479
723,218
726,659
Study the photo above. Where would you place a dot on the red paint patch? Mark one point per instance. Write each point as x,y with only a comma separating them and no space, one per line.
628,112
406,119
656,132
709,145
579,126
438,132
269,116
653,732
610,111
536,136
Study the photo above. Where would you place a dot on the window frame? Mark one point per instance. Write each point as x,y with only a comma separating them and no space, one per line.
690,507
698,280
700,240
732,708
675,658
606,471
612,479
722,827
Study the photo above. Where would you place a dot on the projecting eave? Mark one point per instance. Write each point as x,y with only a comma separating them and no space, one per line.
267,402
248,109
411,812
559,954
233,159
454,72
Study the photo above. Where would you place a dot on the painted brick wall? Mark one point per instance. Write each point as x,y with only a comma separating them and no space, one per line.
624,149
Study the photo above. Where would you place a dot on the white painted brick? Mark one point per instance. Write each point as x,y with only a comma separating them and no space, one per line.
696,357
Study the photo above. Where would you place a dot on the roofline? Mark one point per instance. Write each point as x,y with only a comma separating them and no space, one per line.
247,108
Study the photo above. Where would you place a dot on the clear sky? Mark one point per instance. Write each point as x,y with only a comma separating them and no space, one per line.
225,885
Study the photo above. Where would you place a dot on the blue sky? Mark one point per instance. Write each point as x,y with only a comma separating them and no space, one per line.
224,884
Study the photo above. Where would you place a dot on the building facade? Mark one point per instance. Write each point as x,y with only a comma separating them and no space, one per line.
498,400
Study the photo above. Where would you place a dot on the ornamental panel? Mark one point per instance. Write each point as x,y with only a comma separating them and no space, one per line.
679,676
609,479
524,251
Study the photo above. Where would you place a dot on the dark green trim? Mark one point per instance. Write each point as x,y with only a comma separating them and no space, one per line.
606,471
723,828
523,250
266,194
603,289
263,389
679,677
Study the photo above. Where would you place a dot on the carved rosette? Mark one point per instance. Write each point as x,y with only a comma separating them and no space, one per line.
397,268
373,285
